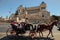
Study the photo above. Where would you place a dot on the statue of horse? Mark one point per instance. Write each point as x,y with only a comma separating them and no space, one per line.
43,27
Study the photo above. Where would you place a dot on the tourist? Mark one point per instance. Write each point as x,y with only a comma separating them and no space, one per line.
14,25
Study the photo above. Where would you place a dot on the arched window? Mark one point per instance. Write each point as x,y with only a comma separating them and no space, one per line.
42,15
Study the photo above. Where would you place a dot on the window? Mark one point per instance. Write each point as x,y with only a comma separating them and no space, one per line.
42,15
33,11
42,7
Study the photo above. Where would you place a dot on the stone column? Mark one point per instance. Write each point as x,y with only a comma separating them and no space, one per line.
17,19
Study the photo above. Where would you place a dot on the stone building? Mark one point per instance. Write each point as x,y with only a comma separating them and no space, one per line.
37,14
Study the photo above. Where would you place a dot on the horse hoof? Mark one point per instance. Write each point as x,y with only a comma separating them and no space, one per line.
52,37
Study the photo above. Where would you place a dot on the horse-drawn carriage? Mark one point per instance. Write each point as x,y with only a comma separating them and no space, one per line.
33,29
20,29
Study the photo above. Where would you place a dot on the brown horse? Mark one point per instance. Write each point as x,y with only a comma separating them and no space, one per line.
46,27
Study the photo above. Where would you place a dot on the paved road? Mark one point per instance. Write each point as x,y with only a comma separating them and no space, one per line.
3,27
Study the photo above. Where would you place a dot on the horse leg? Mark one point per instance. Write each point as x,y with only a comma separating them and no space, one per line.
52,34
42,33
39,34
35,34
30,33
49,33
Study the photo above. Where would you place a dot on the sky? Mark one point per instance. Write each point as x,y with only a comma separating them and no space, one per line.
7,7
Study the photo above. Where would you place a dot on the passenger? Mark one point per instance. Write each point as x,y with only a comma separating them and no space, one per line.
14,25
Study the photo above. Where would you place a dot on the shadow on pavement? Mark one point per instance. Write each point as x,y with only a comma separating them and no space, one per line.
24,38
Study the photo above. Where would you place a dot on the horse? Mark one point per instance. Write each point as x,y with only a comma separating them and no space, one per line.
43,27
28,27
33,31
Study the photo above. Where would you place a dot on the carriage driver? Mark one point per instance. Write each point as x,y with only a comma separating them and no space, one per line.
22,22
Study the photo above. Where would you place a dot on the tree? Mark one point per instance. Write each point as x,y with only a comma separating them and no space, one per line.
55,17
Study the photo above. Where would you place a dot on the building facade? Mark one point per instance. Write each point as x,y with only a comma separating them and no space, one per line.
37,14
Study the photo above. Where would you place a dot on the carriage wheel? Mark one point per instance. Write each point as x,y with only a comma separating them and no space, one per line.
10,32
